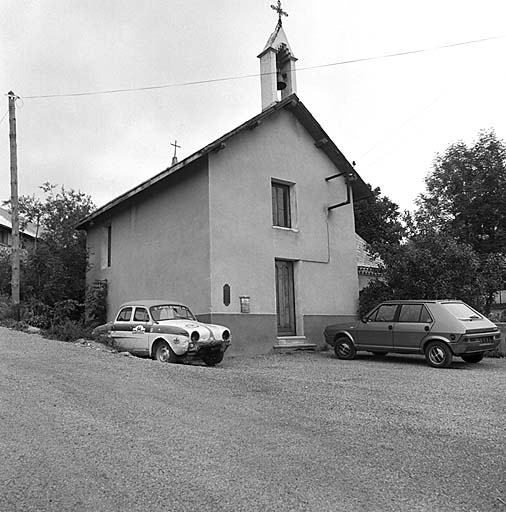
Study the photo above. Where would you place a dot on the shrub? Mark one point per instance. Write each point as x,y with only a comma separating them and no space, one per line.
5,271
67,310
96,303
36,313
68,330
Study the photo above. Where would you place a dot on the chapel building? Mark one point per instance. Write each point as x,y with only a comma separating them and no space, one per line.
255,231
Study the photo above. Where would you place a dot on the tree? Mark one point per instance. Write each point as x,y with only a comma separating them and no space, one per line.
55,266
455,245
465,194
378,222
436,266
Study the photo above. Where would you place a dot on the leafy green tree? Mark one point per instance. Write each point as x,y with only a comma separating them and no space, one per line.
55,267
493,277
378,221
465,194
455,245
375,292
436,266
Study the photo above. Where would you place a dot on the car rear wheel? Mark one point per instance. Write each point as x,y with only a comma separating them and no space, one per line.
473,358
344,348
213,358
438,354
164,353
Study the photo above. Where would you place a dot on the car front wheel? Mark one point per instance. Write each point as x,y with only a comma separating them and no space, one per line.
344,348
438,354
473,358
213,358
164,353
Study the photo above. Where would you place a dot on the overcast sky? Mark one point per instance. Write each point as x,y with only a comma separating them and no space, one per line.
389,115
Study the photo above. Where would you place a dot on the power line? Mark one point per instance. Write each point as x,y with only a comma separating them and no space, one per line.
404,123
4,116
225,79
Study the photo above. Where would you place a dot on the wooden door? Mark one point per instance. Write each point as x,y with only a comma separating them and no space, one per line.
285,298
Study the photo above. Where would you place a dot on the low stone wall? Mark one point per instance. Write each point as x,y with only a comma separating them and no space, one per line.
502,346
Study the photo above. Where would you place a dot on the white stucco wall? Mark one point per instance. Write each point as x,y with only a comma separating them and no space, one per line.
211,224
244,243
160,244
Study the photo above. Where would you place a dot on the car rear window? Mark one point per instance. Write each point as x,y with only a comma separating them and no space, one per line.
461,311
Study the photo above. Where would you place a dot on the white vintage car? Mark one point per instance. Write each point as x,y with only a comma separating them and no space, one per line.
165,330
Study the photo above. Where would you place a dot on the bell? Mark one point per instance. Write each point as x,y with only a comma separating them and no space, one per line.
281,81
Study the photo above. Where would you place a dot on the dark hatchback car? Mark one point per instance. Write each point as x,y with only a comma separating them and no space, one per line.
439,329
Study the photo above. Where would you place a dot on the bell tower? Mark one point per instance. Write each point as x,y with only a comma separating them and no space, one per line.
277,64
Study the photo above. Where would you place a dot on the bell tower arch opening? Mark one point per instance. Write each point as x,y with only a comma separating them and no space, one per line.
277,65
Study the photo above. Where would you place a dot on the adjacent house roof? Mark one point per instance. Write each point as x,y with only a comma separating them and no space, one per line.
293,104
367,266
5,220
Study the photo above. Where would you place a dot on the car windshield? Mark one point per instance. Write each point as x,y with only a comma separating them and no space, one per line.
165,312
461,311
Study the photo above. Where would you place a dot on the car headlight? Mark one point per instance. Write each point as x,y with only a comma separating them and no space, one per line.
195,336
225,336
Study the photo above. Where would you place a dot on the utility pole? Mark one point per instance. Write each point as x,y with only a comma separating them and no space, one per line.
14,206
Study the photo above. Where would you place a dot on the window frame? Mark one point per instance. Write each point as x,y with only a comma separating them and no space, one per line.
109,244
374,315
121,311
141,308
4,237
282,215
423,313
106,246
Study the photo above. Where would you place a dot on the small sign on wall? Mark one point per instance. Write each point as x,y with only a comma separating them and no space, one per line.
245,303
226,294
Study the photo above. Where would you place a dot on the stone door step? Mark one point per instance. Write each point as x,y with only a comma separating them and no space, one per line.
293,343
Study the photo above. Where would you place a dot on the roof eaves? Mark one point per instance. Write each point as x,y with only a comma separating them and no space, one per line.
293,103
324,142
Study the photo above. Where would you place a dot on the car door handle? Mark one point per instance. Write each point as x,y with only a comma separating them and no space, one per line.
390,327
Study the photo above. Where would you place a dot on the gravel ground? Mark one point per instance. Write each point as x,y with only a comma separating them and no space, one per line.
85,429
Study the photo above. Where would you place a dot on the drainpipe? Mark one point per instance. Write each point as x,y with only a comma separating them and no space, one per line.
348,194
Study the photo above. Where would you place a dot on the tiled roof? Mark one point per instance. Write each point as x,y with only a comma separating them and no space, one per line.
364,260
5,220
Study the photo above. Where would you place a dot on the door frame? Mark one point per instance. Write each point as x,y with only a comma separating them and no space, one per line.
292,329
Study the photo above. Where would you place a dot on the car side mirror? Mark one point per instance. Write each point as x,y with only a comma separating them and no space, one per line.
364,320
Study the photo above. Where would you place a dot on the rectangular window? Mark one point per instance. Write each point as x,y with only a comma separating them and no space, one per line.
281,215
109,246
106,245
4,237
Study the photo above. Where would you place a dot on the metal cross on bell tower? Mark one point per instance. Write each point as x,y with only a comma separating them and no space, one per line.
280,12
277,64
174,158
